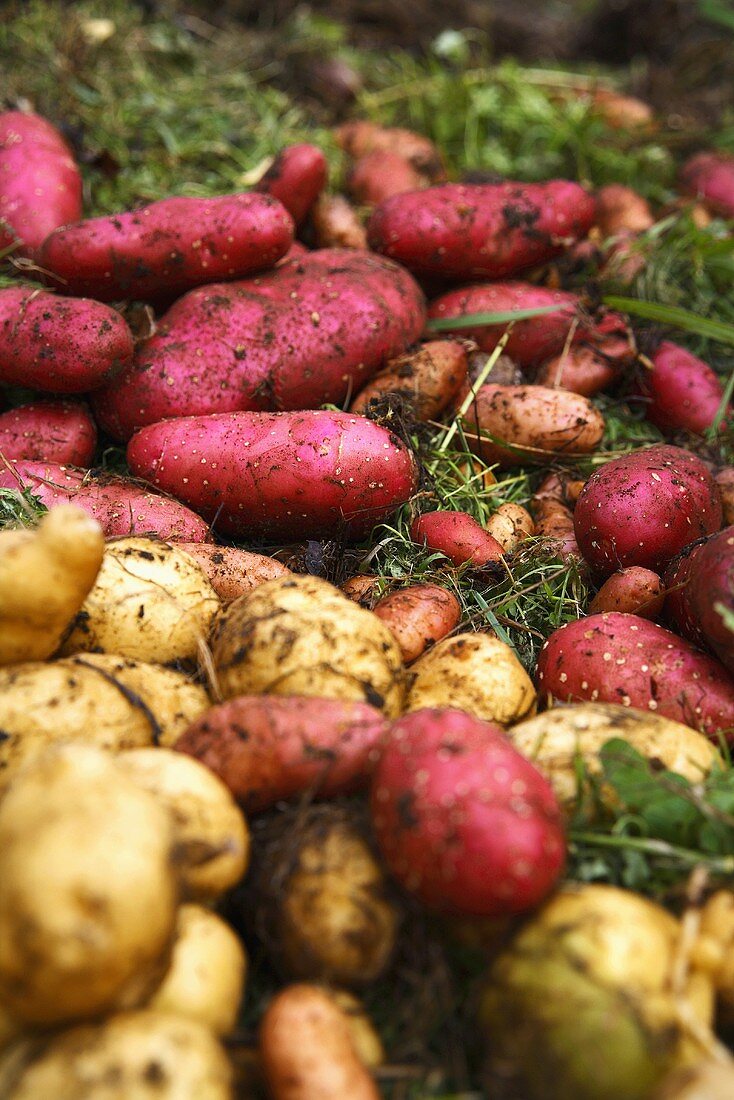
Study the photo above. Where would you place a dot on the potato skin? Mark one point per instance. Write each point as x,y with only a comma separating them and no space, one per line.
709,176
418,616
457,535
683,392
511,524
233,572
296,178
380,174
427,379
335,223
635,590
49,432
579,369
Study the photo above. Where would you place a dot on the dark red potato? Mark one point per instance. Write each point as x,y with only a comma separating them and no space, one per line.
379,175
418,616
643,508
710,177
464,822
168,247
676,580
683,392
709,596
40,183
296,178
635,591
616,658
47,431
458,536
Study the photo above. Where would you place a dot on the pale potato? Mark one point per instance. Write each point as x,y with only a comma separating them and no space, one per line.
475,673
511,524
365,1040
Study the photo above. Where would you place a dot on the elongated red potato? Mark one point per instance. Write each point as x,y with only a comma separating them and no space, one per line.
710,177
683,391
278,475
635,591
309,333
296,178
40,183
458,536
168,246
60,345
709,595
418,616
272,747
464,231
232,571
427,379
379,175
49,432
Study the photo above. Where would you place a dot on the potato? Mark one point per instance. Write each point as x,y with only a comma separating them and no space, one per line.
142,1055
233,572
427,379
419,616
301,636
511,524
710,1079
88,889
683,392
296,178
206,977
622,210
49,431
365,1039
210,836
582,370
457,535
151,602
634,590
45,575
475,673
709,176
336,224
380,174
558,738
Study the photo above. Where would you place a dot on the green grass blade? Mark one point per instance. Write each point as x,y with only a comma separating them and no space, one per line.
674,316
502,317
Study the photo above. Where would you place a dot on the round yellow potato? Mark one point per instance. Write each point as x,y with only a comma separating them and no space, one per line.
206,978
300,635
88,890
142,1055
475,673
556,739
151,602
110,702
210,836
511,524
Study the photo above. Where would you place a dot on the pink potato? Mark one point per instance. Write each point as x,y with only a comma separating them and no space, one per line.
40,183
709,595
710,177
168,246
278,476
120,507
617,658
683,392
299,337
49,431
233,572
458,536
643,508
60,345
465,231
296,178
635,591
268,748
463,820
418,616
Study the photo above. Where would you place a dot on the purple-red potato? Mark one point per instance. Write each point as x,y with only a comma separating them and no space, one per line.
296,178
418,616
709,596
120,507
309,333
675,582
427,379
278,476
683,392
359,137
336,224
60,345
622,210
168,246
511,524
634,591
48,431
622,112
379,175
617,658
231,571
464,821
530,424
458,536
643,508
40,183
710,178
581,370
272,747
725,481
362,589
464,231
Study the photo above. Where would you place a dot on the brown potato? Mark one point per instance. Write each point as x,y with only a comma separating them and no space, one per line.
359,137
511,524
622,112
725,480
336,224
580,370
380,174
418,616
232,571
362,588
622,210
427,379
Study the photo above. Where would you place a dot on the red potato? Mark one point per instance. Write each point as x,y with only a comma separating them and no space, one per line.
418,616
268,748
635,591
581,370
40,183
710,178
233,572
359,137
120,507
379,175
709,595
168,246
309,333
463,821
644,507
616,658
684,392
336,224
675,580
60,345
620,210
458,536
278,476
296,178
47,431
464,231
427,379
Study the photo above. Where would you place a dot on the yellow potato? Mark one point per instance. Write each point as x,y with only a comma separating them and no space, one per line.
510,525
45,575
151,602
475,673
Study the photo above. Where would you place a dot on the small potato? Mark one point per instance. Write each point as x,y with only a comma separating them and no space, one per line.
635,590
457,535
418,616
210,836
233,572
580,370
555,740
380,174
206,977
427,379
362,588
622,210
511,524
622,112
475,673
336,224
151,602
365,1039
